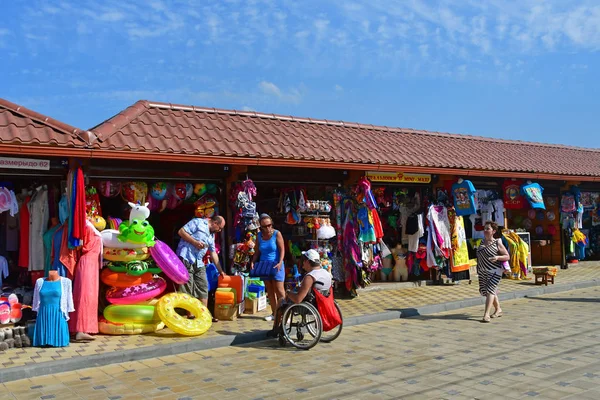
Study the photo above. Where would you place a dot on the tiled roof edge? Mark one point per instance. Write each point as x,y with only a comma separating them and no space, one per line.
61,127
356,125
106,129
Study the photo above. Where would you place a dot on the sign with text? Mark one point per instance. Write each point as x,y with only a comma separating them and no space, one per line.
24,163
398,177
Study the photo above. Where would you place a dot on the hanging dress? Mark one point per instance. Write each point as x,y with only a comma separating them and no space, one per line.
86,283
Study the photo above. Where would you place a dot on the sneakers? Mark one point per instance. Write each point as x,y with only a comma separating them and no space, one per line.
268,318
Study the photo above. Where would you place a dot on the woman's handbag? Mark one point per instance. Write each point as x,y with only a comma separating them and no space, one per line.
329,313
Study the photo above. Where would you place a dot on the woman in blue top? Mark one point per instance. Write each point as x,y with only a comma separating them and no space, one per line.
271,249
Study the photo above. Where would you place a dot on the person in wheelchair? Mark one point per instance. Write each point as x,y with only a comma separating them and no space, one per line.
315,276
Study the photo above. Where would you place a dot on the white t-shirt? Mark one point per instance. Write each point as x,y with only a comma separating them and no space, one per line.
321,275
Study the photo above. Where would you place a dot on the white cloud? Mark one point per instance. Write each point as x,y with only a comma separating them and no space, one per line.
111,16
338,88
270,89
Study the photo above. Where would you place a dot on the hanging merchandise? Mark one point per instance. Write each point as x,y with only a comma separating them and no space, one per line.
207,206
39,216
134,192
512,194
439,242
464,201
158,190
518,251
109,189
533,194
92,202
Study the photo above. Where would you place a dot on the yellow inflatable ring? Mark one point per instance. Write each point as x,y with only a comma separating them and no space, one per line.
126,255
178,324
109,328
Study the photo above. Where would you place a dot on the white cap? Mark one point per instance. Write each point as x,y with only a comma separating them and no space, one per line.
312,255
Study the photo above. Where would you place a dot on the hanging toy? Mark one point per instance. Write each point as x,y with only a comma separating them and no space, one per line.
158,191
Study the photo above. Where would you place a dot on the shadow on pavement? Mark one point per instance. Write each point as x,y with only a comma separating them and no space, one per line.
574,299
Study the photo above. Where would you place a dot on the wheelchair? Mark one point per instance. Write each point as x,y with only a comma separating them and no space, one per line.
301,325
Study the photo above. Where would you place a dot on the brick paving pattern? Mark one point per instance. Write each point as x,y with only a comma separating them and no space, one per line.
543,347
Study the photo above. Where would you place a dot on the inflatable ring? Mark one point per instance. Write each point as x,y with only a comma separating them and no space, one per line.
138,293
126,255
136,314
109,239
169,263
135,268
122,280
188,327
109,328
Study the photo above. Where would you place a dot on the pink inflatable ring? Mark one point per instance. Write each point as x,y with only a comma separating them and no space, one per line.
138,293
170,264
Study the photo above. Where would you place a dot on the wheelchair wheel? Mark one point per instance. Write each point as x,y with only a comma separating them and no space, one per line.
335,332
302,326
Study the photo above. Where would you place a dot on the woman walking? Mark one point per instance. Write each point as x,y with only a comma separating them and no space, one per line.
490,256
271,249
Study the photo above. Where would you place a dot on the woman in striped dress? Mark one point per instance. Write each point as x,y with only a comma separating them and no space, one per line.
490,255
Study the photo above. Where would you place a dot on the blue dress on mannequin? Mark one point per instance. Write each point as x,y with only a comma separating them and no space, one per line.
51,328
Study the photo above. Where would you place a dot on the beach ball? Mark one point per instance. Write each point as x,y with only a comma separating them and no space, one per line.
180,191
109,189
200,189
99,223
158,190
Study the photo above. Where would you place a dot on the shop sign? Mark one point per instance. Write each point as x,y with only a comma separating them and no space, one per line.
398,177
24,163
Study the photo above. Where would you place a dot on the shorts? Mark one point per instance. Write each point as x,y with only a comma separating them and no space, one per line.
197,285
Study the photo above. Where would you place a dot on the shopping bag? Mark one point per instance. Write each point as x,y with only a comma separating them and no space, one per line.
329,314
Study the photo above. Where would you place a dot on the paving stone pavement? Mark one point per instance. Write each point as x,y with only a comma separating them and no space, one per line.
543,347
370,306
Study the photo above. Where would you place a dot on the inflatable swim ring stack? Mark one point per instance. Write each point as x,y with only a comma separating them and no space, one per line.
131,275
135,257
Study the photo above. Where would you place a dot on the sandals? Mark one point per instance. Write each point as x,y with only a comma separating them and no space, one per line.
486,319
497,314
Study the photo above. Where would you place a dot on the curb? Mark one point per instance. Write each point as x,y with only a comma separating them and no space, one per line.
99,360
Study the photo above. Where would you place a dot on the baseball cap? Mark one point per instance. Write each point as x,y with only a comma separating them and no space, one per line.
312,255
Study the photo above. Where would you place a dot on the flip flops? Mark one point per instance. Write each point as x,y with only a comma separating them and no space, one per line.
486,319
497,315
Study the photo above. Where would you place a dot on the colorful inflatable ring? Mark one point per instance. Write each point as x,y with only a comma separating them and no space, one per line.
135,268
109,239
122,280
169,263
188,327
138,293
126,255
136,314
110,328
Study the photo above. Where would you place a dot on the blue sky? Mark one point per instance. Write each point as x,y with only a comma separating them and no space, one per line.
524,70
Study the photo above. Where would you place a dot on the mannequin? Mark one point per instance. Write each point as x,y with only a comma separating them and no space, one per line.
400,271
53,276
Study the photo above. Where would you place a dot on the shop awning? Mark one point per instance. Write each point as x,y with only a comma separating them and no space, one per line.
171,132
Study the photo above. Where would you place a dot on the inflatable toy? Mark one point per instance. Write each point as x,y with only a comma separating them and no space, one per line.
125,255
99,223
158,190
134,192
138,212
170,264
188,327
4,312
122,280
205,206
109,189
180,191
189,191
200,189
135,268
212,188
110,239
123,314
135,294
110,328
113,223
136,231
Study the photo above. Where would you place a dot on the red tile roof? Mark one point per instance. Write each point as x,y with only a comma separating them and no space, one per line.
177,129
21,126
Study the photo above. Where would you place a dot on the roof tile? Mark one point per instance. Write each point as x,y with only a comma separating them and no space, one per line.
151,126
